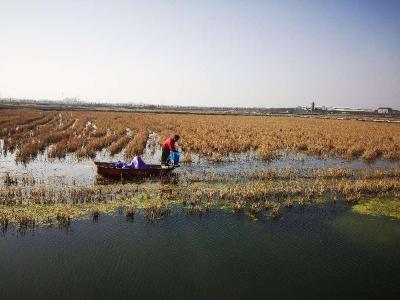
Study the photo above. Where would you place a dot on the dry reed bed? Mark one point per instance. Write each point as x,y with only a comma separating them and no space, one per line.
210,136
53,132
11,120
119,144
136,145
33,137
22,133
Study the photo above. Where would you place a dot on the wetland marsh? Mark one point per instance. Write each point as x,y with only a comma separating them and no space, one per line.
268,206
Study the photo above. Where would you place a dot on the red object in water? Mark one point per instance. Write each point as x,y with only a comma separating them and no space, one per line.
107,169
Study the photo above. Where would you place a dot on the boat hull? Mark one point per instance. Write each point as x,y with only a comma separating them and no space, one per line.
107,169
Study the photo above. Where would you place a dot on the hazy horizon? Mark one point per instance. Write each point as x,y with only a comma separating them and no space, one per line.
208,53
133,103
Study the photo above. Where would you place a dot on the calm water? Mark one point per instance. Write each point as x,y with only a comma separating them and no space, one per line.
83,172
311,252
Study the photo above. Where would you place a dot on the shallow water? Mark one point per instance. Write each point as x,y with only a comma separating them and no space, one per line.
311,252
83,171
299,161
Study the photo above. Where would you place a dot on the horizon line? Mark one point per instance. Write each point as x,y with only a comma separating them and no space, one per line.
71,100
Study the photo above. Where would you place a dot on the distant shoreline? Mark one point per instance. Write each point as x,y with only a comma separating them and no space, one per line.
164,109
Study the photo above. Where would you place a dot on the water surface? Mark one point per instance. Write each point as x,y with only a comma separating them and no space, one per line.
312,252
83,171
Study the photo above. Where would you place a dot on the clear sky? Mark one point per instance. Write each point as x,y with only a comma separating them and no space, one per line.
226,53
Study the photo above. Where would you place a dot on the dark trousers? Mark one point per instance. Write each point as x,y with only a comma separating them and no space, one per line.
165,156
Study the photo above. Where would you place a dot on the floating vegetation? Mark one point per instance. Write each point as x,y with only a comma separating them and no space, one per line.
31,215
379,207
27,204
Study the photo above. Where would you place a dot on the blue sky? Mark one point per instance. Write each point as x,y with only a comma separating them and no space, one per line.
226,53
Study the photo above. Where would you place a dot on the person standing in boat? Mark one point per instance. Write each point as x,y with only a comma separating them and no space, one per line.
167,147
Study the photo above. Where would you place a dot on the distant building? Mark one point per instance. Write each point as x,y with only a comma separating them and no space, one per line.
71,100
313,106
349,110
384,110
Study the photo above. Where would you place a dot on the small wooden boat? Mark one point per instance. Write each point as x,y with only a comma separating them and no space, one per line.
108,170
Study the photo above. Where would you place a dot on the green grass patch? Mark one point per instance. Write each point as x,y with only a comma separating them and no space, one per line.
379,207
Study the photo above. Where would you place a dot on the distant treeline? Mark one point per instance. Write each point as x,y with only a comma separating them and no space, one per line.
72,103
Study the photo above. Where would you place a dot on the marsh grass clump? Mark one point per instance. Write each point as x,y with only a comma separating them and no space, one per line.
276,213
130,211
8,180
156,210
187,158
268,204
195,209
95,213
90,149
18,180
239,205
266,153
24,221
355,151
255,208
118,145
216,157
300,201
208,205
289,203
371,154
137,145
63,219
3,222
352,198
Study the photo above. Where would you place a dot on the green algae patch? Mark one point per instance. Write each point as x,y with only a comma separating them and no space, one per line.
30,215
36,214
379,207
